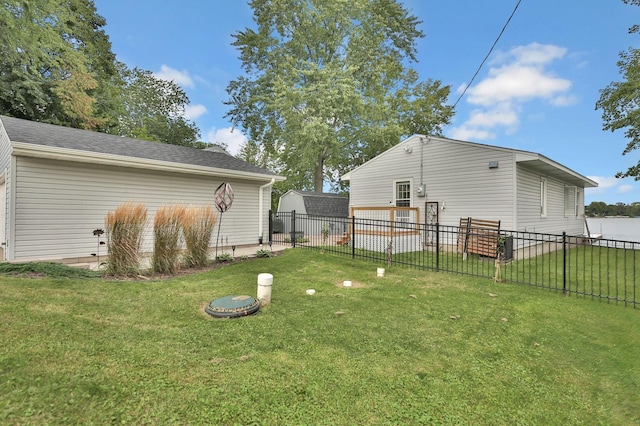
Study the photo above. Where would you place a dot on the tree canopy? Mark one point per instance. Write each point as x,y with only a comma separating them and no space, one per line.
328,86
602,209
152,109
52,54
56,66
620,101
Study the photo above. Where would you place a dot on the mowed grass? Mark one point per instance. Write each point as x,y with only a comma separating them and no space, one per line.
413,347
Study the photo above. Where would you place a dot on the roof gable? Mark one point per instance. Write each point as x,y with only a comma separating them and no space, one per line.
52,136
526,158
323,204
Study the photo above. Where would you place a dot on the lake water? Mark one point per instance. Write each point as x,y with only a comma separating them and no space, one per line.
615,228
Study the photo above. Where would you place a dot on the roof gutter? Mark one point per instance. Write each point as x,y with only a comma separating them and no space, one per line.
261,209
23,149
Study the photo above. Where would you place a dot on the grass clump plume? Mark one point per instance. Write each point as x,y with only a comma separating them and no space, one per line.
167,233
125,227
197,227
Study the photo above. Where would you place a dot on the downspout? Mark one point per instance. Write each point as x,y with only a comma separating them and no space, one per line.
261,209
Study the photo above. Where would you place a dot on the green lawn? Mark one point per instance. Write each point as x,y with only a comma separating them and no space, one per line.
414,347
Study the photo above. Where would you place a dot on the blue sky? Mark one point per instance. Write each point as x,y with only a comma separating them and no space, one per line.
536,92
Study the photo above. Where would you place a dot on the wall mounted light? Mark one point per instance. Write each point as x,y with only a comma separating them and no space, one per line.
408,149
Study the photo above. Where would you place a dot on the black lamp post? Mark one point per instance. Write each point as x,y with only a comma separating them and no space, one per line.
98,233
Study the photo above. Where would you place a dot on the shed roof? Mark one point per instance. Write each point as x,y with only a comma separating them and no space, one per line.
68,142
324,204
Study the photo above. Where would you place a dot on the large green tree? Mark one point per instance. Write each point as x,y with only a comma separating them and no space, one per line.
153,109
54,59
56,66
620,101
328,86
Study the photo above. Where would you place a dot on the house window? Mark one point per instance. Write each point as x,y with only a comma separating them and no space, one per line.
570,201
402,199
543,197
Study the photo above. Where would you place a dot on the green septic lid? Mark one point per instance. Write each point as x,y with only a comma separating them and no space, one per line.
232,306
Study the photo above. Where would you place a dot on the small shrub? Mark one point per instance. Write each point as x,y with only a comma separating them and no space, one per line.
48,269
325,233
166,229
197,227
224,257
244,257
125,227
264,253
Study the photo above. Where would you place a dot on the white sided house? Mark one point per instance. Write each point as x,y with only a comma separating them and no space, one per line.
57,185
444,180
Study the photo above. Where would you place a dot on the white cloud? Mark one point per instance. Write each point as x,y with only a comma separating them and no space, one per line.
605,184
516,82
501,115
464,133
537,54
623,189
181,78
192,112
516,77
233,138
564,100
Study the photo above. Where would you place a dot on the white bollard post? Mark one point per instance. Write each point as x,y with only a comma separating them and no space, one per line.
265,281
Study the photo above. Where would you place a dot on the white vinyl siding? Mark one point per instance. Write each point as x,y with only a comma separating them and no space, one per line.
455,174
529,218
59,204
5,175
291,201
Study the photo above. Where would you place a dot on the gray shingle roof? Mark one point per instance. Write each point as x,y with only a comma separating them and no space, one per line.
65,137
324,204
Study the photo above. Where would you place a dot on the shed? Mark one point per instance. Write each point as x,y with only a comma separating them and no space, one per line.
333,207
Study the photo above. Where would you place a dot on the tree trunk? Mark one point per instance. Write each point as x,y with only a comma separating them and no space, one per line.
318,179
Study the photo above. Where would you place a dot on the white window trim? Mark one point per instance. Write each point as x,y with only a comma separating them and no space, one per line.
395,187
395,198
568,211
544,191
578,204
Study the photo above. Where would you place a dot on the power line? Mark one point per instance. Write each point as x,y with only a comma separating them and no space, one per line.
488,54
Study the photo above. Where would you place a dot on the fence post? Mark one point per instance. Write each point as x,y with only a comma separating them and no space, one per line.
564,262
437,247
353,237
293,228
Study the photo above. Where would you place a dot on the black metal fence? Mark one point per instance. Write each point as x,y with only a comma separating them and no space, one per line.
602,269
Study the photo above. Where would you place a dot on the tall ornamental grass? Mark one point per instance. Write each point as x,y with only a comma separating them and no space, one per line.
125,227
166,230
197,227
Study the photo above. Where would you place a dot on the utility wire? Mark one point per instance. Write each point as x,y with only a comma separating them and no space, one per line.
488,54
